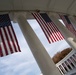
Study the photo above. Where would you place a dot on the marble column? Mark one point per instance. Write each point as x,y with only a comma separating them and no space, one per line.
43,59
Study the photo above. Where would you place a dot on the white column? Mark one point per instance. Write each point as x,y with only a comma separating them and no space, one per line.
73,21
69,37
44,61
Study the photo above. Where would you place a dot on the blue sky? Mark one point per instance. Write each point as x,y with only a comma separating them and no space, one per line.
23,63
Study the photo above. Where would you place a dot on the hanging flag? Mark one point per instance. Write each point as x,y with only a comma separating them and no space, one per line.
8,40
68,24
50,30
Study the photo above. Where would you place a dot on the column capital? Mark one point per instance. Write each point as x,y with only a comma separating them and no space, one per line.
15,15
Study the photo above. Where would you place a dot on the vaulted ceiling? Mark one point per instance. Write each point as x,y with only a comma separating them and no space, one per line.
63,6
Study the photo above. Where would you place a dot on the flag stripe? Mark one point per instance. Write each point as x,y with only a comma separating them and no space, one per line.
10,40
1,53
54,31
57,32
15,45
18,49
47,28
42,26
2,48
4,45
11,36
6,42
50,30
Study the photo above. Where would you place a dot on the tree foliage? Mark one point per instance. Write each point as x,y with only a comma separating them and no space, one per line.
60,55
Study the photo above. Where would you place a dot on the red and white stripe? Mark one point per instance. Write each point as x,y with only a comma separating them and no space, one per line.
51,32
8,41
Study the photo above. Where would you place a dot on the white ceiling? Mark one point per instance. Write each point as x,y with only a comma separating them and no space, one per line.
63,6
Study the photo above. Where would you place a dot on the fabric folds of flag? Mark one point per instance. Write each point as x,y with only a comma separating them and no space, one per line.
8,40
50,30
68,24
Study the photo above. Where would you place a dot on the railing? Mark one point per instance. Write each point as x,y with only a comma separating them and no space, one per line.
68,63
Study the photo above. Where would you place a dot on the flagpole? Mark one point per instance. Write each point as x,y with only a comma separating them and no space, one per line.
69,37
43,59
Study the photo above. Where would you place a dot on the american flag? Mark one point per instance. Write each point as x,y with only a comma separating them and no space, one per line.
8,40
50,30
68,24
